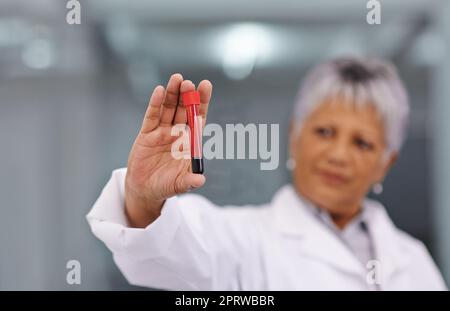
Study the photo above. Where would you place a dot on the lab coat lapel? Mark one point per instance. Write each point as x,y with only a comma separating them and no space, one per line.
293,220
385,237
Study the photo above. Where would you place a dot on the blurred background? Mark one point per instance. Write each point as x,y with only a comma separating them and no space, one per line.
72,98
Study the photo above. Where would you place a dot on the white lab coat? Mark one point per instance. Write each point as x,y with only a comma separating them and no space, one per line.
195,245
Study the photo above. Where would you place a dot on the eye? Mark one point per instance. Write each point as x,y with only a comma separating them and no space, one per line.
363,144
324,131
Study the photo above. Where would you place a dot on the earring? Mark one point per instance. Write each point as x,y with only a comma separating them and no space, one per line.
290,164
377,188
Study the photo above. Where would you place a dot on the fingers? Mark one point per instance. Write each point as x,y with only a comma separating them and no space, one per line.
152,115
205,90
180,114
190,181
170,102
166,107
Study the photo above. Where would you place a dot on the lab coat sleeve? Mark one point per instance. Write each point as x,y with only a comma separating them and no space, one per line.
192,245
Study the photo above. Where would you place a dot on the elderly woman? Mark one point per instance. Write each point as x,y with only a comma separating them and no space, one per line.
320,233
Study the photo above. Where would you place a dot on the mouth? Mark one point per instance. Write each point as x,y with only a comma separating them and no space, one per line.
333,178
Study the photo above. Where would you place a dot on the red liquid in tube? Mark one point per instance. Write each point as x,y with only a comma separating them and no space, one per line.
191,101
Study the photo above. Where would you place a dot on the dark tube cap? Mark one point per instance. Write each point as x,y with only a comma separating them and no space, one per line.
197,166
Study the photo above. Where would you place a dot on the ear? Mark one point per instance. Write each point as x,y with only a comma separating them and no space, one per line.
386,165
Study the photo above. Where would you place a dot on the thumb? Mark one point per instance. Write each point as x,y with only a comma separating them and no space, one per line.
191,181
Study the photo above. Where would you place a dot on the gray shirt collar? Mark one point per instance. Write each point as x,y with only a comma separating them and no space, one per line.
360,221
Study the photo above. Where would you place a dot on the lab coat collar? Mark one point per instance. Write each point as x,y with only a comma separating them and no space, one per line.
293,219
387,241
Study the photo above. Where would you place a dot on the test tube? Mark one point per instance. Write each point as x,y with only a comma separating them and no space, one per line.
191,101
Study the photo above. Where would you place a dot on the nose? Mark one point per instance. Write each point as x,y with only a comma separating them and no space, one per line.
339,153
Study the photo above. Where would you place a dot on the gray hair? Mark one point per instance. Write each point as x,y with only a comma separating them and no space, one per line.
361,81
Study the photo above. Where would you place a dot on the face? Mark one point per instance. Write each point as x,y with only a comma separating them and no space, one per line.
339,154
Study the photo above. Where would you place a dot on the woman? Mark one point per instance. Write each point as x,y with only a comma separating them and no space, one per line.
319,233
